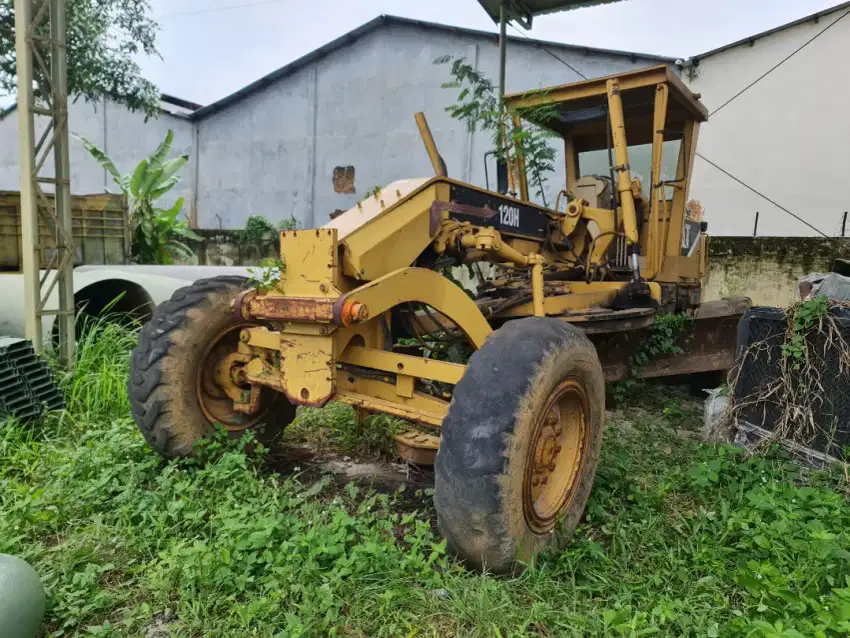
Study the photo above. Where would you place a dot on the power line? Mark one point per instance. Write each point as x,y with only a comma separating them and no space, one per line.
216,9
762,195
564,62
772,69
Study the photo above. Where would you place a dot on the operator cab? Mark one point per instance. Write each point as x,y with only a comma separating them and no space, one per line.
661,117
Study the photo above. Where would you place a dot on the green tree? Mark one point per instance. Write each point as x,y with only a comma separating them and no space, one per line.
156,233
478,107
104,39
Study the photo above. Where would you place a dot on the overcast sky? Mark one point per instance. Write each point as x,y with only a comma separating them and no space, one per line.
211,48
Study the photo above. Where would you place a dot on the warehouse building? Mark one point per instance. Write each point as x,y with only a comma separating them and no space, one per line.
785,136
318,134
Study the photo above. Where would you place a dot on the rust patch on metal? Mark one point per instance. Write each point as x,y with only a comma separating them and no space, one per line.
463,209
290,308
343,179
710,347
240,303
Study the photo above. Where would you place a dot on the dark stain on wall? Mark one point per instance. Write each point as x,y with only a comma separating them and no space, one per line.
344,179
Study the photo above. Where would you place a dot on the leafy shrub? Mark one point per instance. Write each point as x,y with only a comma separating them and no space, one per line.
157,235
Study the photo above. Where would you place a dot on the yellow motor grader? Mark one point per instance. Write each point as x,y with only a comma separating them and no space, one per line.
575,290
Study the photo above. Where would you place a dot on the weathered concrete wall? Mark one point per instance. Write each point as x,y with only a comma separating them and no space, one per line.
227,248
766,269
125,136
255,157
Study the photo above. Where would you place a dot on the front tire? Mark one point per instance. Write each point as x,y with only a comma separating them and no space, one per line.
520,444
173,395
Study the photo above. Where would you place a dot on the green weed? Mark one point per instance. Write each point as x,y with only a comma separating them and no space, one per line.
679,539
335,427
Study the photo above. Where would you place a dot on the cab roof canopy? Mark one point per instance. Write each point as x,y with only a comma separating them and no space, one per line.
524,10
580,109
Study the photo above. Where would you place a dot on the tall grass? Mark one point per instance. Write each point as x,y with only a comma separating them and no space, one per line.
96,387
679,539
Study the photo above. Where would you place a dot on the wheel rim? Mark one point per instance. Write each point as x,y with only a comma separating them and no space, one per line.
213,401
556,455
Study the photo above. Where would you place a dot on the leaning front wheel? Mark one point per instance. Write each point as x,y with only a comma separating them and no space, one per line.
176,372
520,444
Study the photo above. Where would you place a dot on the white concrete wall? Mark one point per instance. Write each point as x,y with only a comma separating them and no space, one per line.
125,136
254,157
786,137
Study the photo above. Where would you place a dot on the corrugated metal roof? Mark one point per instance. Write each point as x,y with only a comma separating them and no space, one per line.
526,9
382,20
751,39
168,103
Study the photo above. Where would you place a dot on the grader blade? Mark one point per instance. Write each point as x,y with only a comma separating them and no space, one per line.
707,345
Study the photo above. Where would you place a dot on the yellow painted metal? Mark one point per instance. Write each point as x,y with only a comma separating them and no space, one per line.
572,216
307,359
655,249
308,363
537,293
621,159
311,262
220,388
376,203
675,265
430,145
433,369
404,385
341,282
604,220
489,240
260,337
582,296
571,162
557,453
369,335
395,238
597,88
520,160
374,395
301,328
428,287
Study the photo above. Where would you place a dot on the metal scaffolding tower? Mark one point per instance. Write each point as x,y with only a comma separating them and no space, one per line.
43,106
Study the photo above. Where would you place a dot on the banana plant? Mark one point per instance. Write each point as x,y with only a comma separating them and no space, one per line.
157,235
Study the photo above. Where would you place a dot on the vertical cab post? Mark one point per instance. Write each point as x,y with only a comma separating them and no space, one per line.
655,250
621,157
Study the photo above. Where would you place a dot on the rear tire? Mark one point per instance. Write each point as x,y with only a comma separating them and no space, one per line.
520,444
174,401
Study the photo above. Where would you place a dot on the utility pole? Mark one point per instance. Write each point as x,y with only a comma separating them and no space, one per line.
43,98
503,47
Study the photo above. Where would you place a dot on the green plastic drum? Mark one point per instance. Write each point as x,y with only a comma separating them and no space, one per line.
21,599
